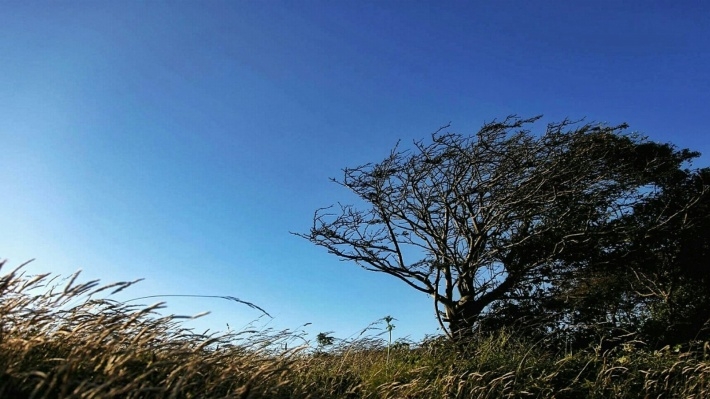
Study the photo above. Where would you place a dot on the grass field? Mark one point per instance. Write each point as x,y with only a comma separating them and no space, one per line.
69,339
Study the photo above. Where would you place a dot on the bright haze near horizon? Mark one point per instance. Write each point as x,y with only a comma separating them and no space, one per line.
182,142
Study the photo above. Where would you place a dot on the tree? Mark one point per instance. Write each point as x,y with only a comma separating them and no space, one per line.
477,220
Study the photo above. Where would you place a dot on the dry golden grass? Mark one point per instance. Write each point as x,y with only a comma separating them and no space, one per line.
66,339
63,342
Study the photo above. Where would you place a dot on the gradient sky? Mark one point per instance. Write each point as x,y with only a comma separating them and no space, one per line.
180,142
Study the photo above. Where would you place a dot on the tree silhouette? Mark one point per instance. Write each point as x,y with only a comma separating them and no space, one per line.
497,216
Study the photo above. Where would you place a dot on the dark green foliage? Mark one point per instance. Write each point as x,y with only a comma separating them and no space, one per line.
672,265
652,283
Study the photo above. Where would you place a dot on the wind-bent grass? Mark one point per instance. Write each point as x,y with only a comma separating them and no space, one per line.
63,341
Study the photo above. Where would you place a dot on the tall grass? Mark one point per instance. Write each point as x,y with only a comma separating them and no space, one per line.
67,339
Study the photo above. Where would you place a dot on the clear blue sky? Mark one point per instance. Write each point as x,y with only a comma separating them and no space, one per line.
182,141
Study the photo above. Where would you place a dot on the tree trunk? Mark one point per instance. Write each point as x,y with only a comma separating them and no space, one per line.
462,318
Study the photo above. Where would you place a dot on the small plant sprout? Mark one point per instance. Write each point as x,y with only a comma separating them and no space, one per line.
389,328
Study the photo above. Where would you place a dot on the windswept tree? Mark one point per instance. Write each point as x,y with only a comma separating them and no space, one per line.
476,220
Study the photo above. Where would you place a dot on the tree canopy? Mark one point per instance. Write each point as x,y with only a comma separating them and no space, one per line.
506,216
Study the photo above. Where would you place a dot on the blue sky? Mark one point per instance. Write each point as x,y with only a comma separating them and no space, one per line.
181,142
